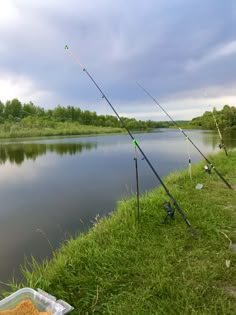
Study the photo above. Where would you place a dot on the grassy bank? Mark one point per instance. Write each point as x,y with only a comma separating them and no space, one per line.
121,267
18,130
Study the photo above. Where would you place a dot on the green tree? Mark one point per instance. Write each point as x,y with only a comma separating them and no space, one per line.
2,112
226,118
13,109
29,109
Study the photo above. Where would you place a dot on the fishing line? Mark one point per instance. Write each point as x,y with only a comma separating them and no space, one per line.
211,166
176,205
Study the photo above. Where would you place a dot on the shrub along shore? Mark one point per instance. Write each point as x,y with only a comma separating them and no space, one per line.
126,267
16,130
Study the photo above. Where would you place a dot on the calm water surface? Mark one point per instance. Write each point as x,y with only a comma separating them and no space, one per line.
53,188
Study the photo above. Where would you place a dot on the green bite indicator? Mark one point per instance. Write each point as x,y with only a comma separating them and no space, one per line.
135,143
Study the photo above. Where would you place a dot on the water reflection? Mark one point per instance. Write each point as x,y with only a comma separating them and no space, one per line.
16,153
211,138
230,139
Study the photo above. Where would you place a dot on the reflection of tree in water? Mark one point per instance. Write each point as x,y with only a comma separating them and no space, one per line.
18,152
213,139
229,138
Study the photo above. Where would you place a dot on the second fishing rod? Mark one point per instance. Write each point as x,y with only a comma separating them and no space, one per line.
221,145
210,166
176,205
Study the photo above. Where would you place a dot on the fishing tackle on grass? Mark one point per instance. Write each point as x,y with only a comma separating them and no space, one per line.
170,212
207,168
183,215
186,136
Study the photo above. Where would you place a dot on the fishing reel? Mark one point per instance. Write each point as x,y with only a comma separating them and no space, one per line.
221,146
207,168
170,212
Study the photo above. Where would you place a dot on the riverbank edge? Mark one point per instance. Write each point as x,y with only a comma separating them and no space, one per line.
52,132
194,127
123,266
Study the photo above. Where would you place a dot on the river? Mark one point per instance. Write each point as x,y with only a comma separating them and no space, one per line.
51,188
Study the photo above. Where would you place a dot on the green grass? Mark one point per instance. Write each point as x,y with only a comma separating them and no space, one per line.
124,267
17,130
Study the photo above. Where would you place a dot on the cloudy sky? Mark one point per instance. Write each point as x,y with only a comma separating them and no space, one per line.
182,51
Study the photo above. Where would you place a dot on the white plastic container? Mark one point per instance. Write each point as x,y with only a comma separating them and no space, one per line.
43,301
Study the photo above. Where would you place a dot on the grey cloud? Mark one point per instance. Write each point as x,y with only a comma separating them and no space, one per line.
120,42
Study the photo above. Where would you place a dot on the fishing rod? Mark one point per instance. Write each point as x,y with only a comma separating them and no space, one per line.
189,161
184,217
211,166
135,142
221,145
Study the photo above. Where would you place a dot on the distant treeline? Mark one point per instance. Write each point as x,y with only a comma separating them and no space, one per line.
226,119
30,115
